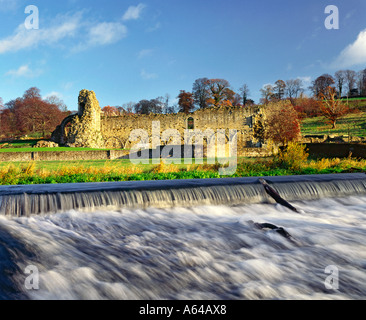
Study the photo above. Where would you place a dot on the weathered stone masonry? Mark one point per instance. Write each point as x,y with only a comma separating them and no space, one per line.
91,128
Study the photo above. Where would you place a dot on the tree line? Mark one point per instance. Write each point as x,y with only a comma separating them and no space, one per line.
208,93
31,114
205,93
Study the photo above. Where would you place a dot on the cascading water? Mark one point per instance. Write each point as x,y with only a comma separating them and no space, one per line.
30,200
186,240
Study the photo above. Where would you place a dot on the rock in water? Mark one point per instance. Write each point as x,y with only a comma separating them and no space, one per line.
270,191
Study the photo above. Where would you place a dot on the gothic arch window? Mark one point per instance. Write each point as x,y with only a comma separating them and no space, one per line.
190,124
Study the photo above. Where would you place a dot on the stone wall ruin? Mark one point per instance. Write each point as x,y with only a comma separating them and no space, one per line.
91,128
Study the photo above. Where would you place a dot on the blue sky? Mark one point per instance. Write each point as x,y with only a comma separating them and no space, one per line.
131,50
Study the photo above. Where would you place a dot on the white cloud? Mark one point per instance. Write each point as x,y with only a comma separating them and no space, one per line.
305,80
148,76
145,53
54,94
106,33
354,54
24,39
68,85
133,12
154,28
268,84
101,34
24,72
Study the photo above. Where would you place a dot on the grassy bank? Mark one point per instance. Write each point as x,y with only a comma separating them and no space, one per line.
111,171
353,124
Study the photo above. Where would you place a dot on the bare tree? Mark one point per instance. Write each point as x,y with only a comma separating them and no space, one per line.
244,93
149,106
279,88
293,88
238,100
362,82
351,79
340,79
201,92
55,100
166,103
267,92
129,107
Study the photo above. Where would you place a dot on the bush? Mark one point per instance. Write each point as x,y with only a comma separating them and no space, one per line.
293,156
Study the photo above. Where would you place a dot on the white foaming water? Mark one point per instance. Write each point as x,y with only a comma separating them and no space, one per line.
206,252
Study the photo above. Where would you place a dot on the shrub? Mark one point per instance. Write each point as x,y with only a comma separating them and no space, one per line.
293,156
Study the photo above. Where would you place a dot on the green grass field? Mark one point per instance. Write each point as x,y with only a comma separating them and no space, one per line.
354,99
30,149
352,125
27,146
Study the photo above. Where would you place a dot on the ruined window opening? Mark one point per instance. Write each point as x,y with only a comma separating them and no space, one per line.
190,123
249,122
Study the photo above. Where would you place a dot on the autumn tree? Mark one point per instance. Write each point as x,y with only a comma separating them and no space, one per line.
32,93
320,85
220,92
186,101
31,114
110,111
36,114
281,122
307,107
331,107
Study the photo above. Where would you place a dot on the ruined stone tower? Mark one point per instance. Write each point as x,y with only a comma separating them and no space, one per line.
84,128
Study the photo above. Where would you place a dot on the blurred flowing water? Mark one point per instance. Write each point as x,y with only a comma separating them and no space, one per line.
209,251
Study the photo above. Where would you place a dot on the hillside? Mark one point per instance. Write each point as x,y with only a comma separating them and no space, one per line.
353,125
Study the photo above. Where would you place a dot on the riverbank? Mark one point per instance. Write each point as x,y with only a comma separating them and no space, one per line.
24,173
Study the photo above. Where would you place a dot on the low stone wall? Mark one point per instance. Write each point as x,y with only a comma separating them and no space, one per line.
332,139
101,155
63,155
16,156
337,150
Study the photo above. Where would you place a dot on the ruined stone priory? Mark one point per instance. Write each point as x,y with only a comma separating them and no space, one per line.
90,128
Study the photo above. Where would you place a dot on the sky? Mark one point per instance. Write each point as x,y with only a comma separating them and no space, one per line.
128,50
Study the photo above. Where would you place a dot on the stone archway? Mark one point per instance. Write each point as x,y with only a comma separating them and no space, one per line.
114,143
63,133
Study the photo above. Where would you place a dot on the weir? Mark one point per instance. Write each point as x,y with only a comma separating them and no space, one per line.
18,201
